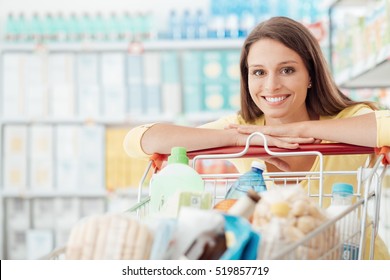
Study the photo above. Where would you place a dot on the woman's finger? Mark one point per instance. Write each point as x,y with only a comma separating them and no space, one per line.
282,144
298,140
279,163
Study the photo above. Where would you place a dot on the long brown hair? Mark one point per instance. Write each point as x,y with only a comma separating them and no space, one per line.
324,97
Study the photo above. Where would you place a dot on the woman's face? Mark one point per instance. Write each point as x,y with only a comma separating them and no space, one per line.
278,82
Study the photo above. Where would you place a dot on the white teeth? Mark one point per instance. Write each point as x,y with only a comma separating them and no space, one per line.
275,99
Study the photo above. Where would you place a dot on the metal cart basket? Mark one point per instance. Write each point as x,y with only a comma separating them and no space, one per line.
325,242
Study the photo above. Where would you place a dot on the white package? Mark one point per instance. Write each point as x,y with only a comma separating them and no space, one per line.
14,173
43,213
15,140
17,213
16,244
39,242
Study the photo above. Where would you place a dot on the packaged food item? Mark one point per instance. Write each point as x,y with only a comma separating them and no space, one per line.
243,241
245,205
196,229
163,230
109,237
224,205
200,200
285,215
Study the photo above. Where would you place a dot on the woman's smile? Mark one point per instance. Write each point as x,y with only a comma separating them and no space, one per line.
275,100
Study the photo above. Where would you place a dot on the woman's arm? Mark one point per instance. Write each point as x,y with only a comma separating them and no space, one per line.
142,141
160,138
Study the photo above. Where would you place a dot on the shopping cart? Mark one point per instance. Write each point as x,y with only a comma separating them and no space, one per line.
325,242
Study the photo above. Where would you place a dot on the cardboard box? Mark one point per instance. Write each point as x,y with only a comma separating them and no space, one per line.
15,173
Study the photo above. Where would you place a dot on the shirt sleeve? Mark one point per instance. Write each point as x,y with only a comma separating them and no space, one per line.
355,110
383,127
132,141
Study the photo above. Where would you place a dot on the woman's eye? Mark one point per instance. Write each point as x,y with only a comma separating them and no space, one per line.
258,72
288,70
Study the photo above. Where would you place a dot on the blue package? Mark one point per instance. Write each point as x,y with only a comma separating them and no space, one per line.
243,241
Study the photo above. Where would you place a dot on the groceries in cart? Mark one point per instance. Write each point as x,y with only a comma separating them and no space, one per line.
286,215
253,228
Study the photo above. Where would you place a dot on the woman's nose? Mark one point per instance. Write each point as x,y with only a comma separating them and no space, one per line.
271,83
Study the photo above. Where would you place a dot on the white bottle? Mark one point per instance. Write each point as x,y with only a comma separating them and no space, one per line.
348,226
176,176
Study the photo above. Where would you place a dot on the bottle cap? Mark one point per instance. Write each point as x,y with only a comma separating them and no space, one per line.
342,188
178,155
258,165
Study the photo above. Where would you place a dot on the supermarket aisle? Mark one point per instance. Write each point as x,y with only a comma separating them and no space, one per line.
76,75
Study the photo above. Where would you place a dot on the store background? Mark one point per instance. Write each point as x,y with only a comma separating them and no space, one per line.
70,89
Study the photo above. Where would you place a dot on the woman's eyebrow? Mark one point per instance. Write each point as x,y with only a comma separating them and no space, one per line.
280,63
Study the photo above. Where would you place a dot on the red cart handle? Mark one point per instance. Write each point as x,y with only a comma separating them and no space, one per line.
385,151
259,151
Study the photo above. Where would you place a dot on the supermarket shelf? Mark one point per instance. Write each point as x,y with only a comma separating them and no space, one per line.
53,120
43,194
161,45
29,194
129,120
86,121
372,73
346,3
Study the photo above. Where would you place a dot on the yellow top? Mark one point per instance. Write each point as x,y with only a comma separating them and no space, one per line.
383,128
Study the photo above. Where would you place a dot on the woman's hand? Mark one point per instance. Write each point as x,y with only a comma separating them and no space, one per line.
284,136
286,142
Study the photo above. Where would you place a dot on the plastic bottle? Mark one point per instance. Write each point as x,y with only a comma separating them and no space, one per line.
11,28
176,176
200,25
247,22
187,25
231,26
253,179
348,226
174,30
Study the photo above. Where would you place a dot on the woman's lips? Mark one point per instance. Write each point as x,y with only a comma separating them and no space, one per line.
275,99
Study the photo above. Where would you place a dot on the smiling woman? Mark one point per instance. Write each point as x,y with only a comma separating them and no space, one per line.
284,82
284,79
